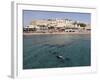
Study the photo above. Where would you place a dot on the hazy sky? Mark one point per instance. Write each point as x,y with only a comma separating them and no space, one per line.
29,15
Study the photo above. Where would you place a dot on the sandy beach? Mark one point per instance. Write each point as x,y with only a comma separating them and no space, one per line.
56,33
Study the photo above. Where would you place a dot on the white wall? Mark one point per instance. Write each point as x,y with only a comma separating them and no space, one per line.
5,37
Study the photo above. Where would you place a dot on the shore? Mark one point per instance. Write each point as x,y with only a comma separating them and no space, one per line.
56,33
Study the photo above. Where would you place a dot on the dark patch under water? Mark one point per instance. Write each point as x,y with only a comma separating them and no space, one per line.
43,51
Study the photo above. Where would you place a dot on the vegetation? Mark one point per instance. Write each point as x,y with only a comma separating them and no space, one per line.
51,27
82,25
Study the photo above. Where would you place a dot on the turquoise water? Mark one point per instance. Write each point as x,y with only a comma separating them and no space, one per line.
41,51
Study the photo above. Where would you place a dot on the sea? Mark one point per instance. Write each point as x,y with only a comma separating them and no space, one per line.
56,51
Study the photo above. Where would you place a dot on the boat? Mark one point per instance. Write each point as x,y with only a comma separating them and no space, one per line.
60,57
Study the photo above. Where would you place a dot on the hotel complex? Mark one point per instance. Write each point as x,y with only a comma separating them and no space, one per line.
56,25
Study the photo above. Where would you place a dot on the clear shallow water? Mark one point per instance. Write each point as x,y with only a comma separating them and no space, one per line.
41,51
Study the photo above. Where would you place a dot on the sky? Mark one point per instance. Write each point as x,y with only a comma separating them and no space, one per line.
29,15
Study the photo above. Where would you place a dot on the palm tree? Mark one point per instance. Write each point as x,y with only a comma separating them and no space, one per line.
74,23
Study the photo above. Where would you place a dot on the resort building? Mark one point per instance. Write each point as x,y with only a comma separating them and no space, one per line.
56,25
